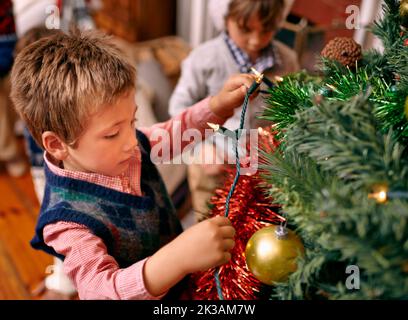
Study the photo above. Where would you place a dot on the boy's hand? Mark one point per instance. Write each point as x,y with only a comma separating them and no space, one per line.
231,95
199,248
206,244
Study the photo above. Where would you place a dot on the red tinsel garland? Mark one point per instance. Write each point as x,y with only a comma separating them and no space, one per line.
250,210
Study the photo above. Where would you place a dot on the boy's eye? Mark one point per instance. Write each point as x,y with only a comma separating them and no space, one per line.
244,30
111,136
242,27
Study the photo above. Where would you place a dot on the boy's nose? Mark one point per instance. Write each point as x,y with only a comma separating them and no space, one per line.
131,143
254,40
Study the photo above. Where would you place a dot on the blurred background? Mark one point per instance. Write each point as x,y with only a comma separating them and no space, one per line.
156,35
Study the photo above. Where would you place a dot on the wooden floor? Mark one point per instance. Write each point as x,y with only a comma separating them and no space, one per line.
22,268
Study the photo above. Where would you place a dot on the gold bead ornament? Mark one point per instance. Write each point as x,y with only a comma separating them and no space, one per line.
271,254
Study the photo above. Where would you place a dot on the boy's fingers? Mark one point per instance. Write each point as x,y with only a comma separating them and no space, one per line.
228,244
222,221
227,257
227,232
248,80
255,94
237,95
240,80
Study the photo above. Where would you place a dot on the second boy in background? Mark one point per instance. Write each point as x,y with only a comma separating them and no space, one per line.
250,27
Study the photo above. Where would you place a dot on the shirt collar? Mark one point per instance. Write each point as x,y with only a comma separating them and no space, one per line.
268,59
128,182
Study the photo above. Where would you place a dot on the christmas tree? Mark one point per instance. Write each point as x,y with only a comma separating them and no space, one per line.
339,174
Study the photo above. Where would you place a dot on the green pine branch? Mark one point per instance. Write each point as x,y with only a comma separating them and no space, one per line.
294,93
322,177
388,29
341,135
343,138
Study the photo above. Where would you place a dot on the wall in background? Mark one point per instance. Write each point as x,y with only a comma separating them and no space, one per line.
194,23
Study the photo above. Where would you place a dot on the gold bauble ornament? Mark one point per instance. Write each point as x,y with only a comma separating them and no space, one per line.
271,254
406,107
404,12
404,8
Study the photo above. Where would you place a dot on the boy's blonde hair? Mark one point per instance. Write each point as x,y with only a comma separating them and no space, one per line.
32,35
59,81
268,11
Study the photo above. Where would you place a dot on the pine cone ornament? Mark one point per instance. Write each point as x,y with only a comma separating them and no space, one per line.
344,50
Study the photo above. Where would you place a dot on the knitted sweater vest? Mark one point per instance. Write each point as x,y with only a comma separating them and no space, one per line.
131,227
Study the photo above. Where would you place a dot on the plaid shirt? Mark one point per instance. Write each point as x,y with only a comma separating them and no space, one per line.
268,59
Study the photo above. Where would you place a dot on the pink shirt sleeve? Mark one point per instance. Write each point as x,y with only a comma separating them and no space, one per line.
95,273
174,134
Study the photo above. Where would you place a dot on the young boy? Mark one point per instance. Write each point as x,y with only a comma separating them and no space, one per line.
247,42
105,209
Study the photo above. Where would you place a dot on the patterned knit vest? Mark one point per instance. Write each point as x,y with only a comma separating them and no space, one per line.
132,227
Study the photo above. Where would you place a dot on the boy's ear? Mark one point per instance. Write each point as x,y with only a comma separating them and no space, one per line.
54,145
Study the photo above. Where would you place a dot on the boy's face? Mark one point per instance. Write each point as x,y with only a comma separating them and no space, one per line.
251,38
108,141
